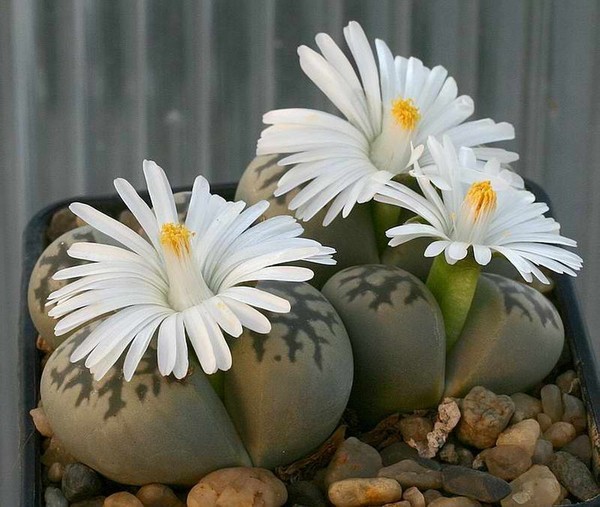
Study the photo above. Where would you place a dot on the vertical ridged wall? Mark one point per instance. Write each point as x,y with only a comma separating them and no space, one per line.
89,88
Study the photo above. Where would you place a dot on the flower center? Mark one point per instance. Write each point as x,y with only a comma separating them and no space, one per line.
406,113
176,237
187,287
481,198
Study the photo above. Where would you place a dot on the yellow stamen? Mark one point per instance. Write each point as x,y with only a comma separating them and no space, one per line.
481,198
176,237
406,113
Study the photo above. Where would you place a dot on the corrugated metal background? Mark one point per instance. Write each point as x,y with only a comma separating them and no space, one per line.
89,88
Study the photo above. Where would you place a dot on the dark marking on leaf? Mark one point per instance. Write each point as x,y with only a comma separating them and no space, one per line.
272,180
380,282
112,384
56,262
513,292
308,310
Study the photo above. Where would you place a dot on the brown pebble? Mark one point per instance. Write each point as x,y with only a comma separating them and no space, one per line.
409,473
414,497
526,407
415,428
552,404
507,461
544,421
483,417
568,383
158,495
55,472
560,434
456,501
538,487
55,452
41,422
401,503
581,448
363,492
353,459
574,413
238,486
122,499
543,452
431,495
523,434
97,501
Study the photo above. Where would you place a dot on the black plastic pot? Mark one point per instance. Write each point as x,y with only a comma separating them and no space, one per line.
34,242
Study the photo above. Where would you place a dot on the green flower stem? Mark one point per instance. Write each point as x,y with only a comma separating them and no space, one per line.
385,216
453,286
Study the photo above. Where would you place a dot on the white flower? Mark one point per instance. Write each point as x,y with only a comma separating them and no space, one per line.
486,215
188,280
344,162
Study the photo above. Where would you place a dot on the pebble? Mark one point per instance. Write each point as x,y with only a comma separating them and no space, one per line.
447,417
448,454
415,428
574,412
544,421
158,495
523,434
526,407
484,416
537,487
552,405
574,475
560,434
55,472
456,455
251,487
396,452
410,473
457,501
41,422
414,497
507,461
353,459
568,383
305,493
56,453
465,457
581,448
54,497
401,503
543,452
122,499
363,492
80,482
477,485
90,502
431,495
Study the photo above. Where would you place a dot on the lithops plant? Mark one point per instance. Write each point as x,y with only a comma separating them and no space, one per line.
500,334
151,429
512,339
308,353
113,391
397,334
405,123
